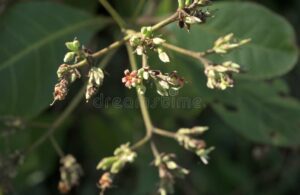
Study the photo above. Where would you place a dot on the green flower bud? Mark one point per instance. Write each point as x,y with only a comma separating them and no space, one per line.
171,165
117,167
69,57
203,154
106,163
147,31
73,46
135,41
227,43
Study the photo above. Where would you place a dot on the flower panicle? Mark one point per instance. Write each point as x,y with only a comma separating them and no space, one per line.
221,76
147,41
169,170
165,83
122,156
227,43
186,138
70,174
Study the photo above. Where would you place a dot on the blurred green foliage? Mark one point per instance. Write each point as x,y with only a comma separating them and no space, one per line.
254,126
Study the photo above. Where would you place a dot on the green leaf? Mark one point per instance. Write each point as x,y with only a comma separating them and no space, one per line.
254,109
261,112
87,5
272,51
258,110
32,37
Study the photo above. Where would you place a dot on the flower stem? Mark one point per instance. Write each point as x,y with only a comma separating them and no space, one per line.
169,20
56,146
164,133
103,51
154,150
142,102
196,55
133,64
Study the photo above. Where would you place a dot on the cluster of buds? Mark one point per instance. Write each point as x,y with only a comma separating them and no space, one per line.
96,77
74,53
145,40
66,75
185,138
9,125
9,165
220,76
225,44
70,173
165,83
191,12
116,163
168,171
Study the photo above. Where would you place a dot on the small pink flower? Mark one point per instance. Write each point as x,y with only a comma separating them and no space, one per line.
130,79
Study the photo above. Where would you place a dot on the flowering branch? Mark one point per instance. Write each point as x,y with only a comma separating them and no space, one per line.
219,76
70,108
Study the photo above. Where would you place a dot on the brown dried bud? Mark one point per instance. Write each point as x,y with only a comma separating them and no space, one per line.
66,72
96,77
62,70
60,91
63,187
200,144
90,91
105,181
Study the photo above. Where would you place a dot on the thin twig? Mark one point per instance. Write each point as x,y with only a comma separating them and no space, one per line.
196,55
154,150
169,20
142,102
103,51
58,122
56,146
164,133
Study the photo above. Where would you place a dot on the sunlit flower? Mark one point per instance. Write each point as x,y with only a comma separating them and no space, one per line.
131,79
